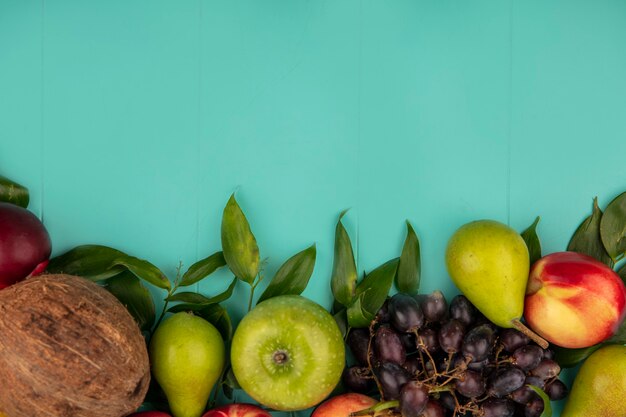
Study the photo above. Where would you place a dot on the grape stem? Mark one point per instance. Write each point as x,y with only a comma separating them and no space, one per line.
534,336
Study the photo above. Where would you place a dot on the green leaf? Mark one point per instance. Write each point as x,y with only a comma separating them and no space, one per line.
96,263
357,317
376,286
218,316
532,241
341,319
586,238
229,382
547,407
293,276
408,278
569,358
201,300
93,262
238,243
129,290
613,227
12,192
343,278
371,294
202,269
619,338
144,270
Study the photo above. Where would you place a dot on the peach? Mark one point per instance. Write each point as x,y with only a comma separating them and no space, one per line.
573,300
342,405
237,410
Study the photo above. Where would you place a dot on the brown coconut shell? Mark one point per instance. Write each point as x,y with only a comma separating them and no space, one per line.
68,348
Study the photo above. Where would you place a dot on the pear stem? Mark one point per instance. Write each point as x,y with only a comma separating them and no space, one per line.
534,336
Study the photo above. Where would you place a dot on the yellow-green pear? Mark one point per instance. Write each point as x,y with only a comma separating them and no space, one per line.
489,262
600,387
187,354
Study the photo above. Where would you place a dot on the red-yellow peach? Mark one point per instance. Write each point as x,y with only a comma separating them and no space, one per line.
342,405
237,410
573,300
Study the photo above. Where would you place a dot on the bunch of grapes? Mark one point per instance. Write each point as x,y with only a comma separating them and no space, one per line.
426,358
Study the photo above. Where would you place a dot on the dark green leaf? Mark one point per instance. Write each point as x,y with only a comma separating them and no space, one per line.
376,286
201,300
547,407
12,192
371,294
293,276
408,278
341,319
218,316
144,270
569,358
619,338
357,317
202,269
586,238
613,227
238,243
129,290
343,279
532,241
93,262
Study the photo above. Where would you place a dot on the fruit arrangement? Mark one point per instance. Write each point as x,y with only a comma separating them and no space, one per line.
85,339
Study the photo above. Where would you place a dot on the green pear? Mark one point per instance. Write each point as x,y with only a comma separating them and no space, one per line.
600,385
489,262
187,354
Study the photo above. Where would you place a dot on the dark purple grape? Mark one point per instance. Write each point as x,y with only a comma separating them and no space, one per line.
546,369
358,341
389,348
405,314
391,377
357,379
434,306
536,381
470,384
409,342
463,310
494,407
534,408
428,340
433,409
506,380
478,343
527,357
412,365
451,336
512,339
478,366
429,368
556,390
447,401
523,395
548,354
413,399
382,316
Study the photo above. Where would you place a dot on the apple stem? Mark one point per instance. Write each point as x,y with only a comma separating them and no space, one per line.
534,336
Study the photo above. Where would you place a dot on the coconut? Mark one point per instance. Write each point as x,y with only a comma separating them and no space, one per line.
68,348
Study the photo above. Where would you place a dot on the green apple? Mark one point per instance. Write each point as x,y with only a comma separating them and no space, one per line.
288,353
187,354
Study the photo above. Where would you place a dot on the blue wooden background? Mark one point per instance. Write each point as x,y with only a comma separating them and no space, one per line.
132,121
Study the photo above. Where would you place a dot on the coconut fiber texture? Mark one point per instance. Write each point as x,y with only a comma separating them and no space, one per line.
68,348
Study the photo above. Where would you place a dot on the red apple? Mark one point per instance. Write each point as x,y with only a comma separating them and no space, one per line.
342,405
237,410
150,414
573,300
24,244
